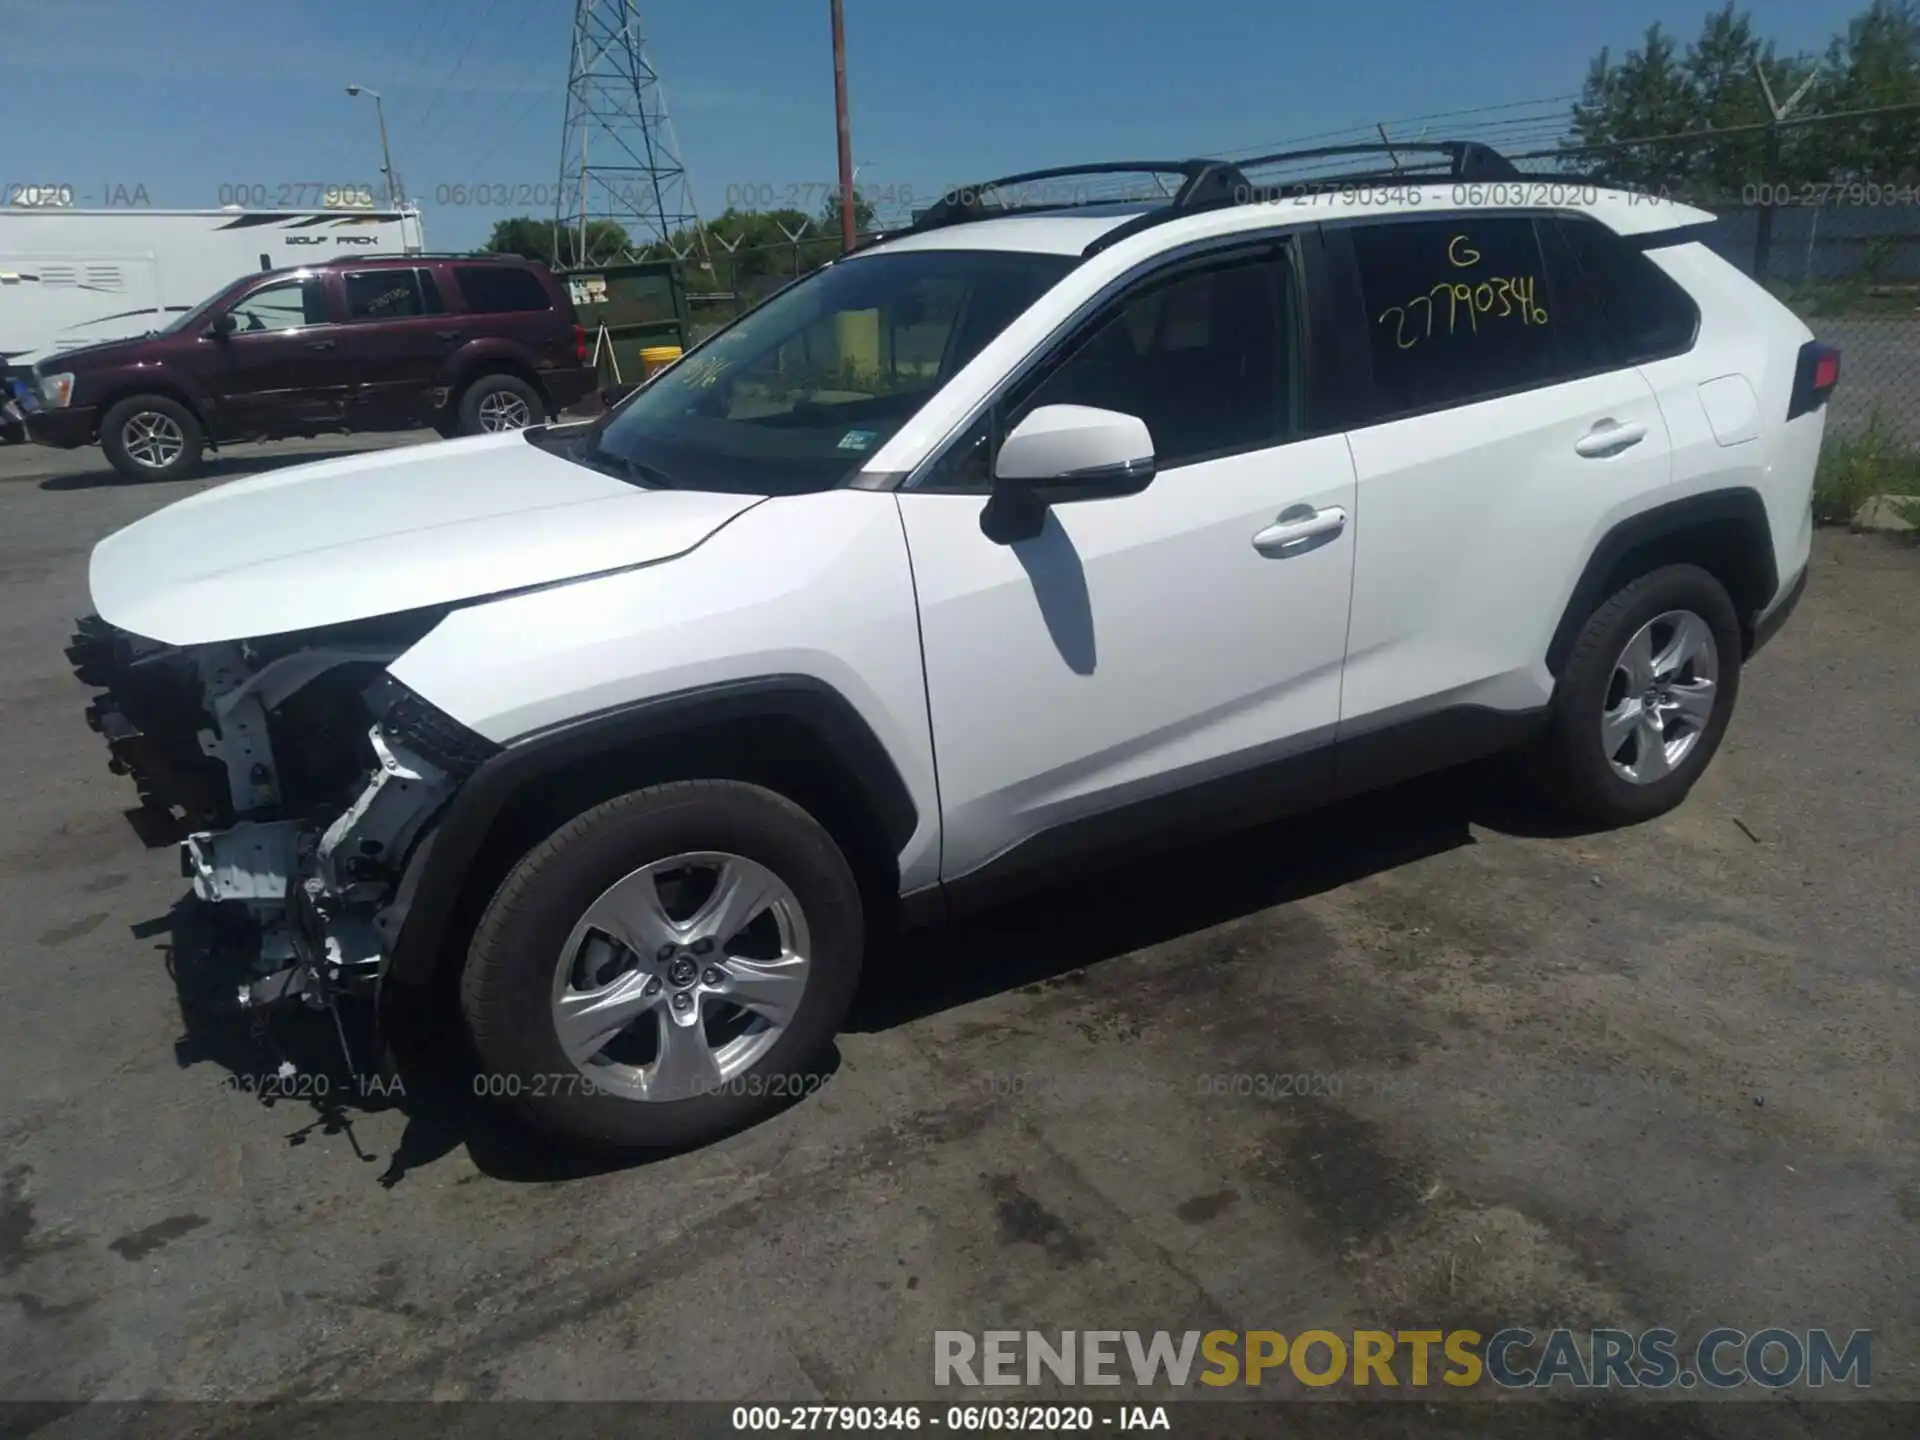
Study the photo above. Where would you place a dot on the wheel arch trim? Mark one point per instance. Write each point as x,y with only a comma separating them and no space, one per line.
482,358
160,387
1740,508
415,925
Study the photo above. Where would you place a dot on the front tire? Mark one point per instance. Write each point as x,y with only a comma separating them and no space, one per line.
666,968
1644,699
151,437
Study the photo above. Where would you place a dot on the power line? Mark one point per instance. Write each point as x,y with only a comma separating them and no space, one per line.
507,131
1723,131
533,64
1368,131
440,29
479,27
409,51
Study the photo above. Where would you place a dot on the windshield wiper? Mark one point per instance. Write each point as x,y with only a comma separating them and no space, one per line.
621,467
649,474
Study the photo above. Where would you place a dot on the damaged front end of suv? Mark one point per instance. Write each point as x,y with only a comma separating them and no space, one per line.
304,774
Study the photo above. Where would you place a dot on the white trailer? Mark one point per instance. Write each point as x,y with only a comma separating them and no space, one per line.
78,277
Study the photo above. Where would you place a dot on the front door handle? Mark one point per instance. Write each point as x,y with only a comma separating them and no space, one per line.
1295,524
320,345
1609,437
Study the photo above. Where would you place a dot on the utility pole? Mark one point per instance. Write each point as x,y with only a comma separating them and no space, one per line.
848,230
1770,165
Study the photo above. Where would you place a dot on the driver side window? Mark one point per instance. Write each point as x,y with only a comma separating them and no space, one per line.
285,305
1208,357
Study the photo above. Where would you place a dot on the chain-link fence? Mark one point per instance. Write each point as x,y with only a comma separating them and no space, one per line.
1823,210
1847,260
724,282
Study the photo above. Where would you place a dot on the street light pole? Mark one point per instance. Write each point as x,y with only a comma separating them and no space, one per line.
386,155
848,231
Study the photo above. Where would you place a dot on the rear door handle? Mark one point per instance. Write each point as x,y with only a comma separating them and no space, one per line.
446,334
1609,437
321,345
1295,524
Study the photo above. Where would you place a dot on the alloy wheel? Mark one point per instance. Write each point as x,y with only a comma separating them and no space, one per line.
503,410
152,439
1660,697
681,976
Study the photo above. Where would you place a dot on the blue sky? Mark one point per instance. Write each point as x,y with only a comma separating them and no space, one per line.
183,98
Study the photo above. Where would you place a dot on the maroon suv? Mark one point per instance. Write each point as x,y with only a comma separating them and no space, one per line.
464,345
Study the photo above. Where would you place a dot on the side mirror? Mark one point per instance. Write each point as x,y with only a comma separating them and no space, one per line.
1060,454
223,325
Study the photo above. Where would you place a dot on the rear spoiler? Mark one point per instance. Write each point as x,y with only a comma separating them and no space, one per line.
1678,235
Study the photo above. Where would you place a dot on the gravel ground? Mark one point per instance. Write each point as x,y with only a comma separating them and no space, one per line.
1663,1075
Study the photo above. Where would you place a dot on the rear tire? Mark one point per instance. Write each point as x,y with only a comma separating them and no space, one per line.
575,1030
1644,699
498,402
151,437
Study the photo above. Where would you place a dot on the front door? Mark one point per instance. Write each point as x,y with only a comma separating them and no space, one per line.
1146,652
280,370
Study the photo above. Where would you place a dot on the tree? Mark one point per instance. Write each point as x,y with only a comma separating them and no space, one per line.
864,216
1876,64
1653,91
1641,96
607,241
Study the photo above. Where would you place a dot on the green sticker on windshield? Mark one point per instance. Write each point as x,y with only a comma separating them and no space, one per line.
859,439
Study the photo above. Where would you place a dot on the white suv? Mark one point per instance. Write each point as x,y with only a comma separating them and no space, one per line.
1040,532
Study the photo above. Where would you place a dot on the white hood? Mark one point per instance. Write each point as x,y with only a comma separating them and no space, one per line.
382,532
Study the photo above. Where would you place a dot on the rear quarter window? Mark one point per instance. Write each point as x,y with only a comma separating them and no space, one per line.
500,289
1648,314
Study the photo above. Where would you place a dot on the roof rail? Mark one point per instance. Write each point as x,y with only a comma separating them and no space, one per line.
1458,160
416,255
1030,192
1464,160
1204,184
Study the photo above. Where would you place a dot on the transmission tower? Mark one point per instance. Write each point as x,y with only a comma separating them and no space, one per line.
619,159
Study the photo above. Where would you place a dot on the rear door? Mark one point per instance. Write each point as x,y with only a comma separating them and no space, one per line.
397,341
280,371
1500,439
510,303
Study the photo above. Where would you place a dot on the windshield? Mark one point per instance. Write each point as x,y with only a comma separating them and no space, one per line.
799,393
196,313
199,313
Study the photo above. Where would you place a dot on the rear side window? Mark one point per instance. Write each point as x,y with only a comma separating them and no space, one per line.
391,294
1648,315
1457,310
500,289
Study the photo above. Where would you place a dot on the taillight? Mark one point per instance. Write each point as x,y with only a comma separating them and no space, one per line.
1814,377
580,343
